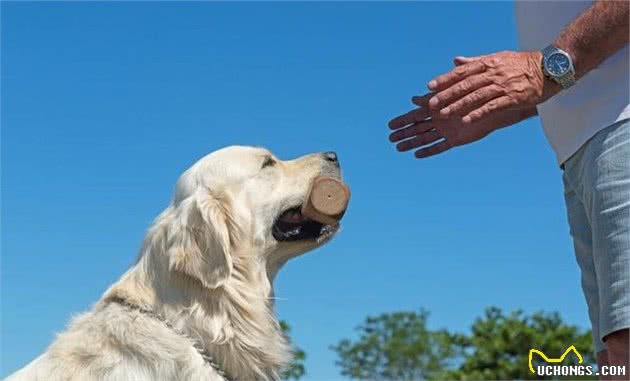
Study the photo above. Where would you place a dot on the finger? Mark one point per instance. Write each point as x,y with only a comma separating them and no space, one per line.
413,130
448,79
491,107
472,101
461,60
457,61
433,150
413,116
419,141
422,100
459,90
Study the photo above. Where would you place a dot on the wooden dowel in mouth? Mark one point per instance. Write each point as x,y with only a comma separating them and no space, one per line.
327,200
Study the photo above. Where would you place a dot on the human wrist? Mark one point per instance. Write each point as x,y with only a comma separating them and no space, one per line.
548,86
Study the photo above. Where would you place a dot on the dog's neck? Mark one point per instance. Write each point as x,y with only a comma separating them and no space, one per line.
235,322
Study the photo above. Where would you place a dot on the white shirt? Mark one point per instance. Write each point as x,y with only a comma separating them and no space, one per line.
596,101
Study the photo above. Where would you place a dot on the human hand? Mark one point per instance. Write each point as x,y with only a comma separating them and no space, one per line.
481,86
417,129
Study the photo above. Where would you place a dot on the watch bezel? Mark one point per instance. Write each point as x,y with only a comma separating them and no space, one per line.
550,56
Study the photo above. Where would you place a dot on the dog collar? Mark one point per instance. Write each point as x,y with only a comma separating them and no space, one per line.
207,357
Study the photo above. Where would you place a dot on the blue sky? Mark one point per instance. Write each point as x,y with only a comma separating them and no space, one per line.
105,104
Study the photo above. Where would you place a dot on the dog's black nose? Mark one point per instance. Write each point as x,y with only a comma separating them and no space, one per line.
331,156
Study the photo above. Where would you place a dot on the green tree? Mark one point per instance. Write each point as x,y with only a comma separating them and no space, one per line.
498,345
295,370
396,346
399,346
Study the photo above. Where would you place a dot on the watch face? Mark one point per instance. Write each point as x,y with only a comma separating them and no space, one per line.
558,64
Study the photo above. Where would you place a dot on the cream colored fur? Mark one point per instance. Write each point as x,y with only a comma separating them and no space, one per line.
207,265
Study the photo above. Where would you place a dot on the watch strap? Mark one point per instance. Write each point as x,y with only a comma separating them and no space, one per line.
566,80
546,52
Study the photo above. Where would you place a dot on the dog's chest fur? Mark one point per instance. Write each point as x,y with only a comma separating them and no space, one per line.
114,343
235,325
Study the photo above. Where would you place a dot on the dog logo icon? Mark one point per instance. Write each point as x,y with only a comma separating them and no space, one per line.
553,360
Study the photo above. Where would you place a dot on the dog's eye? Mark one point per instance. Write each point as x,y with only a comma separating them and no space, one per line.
269,161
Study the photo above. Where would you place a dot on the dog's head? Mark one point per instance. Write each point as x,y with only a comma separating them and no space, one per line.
244,199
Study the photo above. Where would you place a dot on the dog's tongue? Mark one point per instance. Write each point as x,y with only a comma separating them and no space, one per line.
293,217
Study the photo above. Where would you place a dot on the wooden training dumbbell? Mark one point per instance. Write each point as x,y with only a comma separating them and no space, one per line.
327,200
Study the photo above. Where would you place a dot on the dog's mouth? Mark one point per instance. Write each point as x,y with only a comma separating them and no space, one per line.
292,225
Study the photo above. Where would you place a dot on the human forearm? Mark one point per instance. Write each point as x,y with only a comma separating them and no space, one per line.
596,34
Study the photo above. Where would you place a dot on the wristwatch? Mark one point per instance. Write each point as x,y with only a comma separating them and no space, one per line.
558,66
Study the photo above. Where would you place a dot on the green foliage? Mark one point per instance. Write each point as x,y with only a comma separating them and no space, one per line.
395,346
399,346
499,344
295,370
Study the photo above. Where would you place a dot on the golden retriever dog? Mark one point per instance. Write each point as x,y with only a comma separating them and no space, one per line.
197,304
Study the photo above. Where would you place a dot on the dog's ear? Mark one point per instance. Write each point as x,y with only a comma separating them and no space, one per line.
199,239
